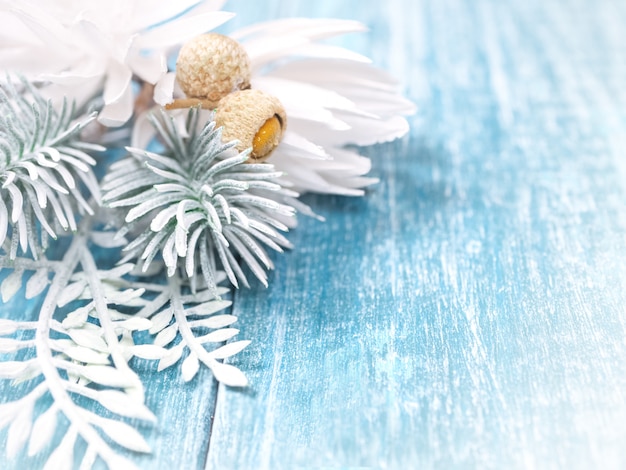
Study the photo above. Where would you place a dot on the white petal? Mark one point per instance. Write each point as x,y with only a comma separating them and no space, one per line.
305,27
143,131
328,52
164,89
306,101
204,7
151,12
85,71
317,131
117,82
181,30
51,32
306,148
299,94
15,33
118,112
337,73
378,103
307,179
369,131
149,68
266,49
80,92
20,60
345,159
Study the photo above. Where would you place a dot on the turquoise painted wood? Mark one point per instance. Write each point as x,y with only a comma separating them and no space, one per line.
469,312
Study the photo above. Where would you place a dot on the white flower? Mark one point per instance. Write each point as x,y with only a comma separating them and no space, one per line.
83,47
333,98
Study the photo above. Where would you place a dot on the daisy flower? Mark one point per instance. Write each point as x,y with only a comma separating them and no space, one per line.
333,98
84,47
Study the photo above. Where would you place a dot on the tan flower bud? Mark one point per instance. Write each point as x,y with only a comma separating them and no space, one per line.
210,66
254,118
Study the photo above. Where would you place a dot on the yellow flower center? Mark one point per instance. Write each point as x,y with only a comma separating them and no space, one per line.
267,138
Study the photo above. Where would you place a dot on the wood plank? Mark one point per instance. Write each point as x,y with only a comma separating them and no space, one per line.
469,312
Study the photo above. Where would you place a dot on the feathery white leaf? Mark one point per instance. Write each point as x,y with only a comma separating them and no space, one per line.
190,366
172,357
62,457
43,430
9,345
123,405
166,336
106,375
229,349
229,375
134,324
86,355
217,321
11,285
149,351
161,320
19,430
37,283
7,326
208,308
77,318
218,336
88,338
14,369
124,435
8,411
71,292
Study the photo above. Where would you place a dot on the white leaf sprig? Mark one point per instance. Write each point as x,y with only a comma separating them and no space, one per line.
79,356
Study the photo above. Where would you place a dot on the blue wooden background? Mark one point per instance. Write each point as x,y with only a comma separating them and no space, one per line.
469,312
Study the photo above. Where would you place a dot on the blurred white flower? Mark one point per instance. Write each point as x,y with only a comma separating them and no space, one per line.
333,98
83,47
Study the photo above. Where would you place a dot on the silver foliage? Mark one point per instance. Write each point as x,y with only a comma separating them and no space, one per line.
78,350
43,165
202,204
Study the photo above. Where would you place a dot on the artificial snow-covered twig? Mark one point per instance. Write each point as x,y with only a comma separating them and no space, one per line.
203,202
43,164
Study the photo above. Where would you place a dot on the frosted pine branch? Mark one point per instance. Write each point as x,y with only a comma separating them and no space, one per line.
43,167
201,205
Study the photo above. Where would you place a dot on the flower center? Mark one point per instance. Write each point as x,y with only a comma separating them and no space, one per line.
267,138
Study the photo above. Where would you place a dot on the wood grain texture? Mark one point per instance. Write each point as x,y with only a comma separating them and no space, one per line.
469,312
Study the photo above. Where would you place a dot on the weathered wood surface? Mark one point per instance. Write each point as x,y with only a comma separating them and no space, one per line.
469,312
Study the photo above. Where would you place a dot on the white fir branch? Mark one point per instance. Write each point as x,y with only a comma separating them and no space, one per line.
42,166
201,206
